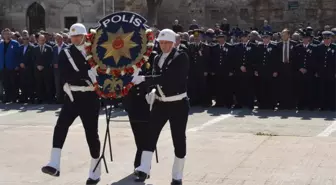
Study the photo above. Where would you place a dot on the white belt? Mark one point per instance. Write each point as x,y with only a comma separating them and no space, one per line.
172,98
68,88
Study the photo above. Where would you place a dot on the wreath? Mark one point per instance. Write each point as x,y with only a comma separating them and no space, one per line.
118,72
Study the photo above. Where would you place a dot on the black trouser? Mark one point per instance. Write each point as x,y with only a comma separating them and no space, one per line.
266,87
326,91
86,105
8,78
196,88
208,91
26,83
285,89
138,114
177,115
223,90
44,84
244,89
58,86
304,90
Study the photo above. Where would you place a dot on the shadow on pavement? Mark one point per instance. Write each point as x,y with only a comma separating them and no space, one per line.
128,180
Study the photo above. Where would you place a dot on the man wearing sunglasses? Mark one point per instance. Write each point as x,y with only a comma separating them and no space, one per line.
26,70
326,59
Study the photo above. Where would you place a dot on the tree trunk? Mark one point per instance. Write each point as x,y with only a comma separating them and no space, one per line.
152,14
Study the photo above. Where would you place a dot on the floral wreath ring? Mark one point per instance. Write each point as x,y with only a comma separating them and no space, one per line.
97,65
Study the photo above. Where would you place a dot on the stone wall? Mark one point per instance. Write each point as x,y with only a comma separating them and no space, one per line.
245,13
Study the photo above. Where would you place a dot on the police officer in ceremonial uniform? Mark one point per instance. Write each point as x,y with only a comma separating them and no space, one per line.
304,70
170,102
138,110
267,68
198,67
326,56
245,58
81,100
209,60
223,69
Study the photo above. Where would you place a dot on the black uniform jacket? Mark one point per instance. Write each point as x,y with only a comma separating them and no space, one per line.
245,55
305,57
68,73
173,76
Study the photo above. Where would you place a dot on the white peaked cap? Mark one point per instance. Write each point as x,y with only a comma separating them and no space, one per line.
77,29
167,35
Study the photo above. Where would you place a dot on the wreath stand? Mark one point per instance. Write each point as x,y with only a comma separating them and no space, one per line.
110,107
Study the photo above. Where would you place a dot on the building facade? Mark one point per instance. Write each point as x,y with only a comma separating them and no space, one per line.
55,15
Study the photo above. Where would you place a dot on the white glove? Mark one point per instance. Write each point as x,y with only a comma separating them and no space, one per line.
93,75
67,90
136,72
138,79
150,98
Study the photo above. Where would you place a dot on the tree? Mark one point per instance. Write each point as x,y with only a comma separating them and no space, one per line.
152,14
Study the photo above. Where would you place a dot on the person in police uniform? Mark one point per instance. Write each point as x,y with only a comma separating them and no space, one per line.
198,67
223,69
244,64
81,100
326,53
267,69
304,69
169,102
138,110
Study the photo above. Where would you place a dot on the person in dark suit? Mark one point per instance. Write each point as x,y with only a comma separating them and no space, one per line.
179,46
43,55
304,69
223,56
169,102
244,66
57,77
286,80
267,69
9,64
26,71
177,27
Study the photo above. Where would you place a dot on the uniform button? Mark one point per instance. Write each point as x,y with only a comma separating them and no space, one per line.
264,60
160,70
264,52
220,63
138,88
244,59
243,63
160,86
138,94
304,59
325,65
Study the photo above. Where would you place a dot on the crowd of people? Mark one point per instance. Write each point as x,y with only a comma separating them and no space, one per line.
271,70
29,66
233,67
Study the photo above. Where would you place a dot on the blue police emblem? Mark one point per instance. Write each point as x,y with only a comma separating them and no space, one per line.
119,47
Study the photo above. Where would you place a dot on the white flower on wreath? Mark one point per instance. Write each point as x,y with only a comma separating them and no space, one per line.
269,49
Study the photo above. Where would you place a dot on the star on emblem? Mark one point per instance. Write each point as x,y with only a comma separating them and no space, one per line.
73,29
118,45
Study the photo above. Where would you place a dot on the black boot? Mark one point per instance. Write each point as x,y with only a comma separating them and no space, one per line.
141,176
92,182
50,171
176,182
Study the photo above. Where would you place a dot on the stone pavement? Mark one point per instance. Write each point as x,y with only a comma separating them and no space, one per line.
243,148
